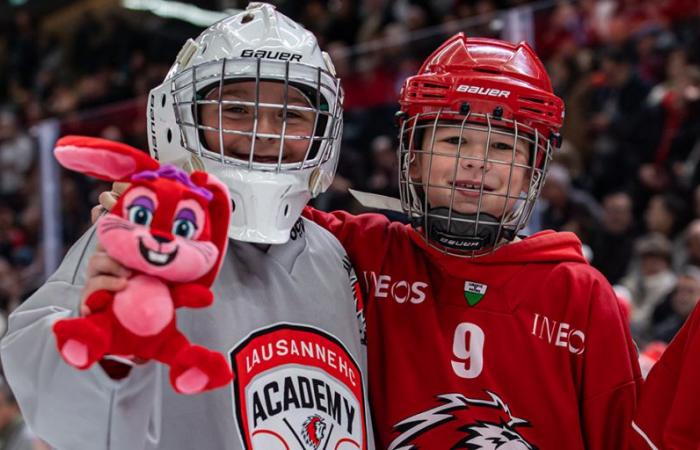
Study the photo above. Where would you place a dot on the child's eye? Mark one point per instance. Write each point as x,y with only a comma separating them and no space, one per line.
235,109
291,114
140,215
185,228
502,146
455,140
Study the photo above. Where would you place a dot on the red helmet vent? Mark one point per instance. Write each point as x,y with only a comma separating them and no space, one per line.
420,89
484,69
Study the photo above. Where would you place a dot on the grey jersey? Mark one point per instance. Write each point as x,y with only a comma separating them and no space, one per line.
288,321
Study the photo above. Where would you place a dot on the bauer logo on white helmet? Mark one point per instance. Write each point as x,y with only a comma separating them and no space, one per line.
282,56
479,90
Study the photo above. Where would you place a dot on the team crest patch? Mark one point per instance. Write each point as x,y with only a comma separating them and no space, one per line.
474,292
297,388
463,422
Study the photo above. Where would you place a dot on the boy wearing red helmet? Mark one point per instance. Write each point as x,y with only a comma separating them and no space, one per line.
479,338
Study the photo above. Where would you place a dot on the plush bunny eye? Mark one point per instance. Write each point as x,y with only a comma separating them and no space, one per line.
185,223
185,228
140,215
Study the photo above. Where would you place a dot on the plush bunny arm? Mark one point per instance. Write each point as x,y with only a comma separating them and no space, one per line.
191,295
99,300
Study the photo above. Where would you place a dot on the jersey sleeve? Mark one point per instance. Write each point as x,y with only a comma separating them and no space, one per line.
668,407
611,374
66,407
365,237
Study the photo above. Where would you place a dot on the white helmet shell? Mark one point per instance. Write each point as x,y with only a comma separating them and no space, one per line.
258,44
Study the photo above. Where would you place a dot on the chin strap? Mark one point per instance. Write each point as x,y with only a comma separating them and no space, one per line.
463,233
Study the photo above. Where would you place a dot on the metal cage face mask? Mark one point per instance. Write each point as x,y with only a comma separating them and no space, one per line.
470,184
258,114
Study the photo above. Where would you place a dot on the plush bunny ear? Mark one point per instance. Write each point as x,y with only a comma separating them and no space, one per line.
103,159
219,216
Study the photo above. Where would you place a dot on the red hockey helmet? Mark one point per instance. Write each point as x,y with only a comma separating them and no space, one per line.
488,85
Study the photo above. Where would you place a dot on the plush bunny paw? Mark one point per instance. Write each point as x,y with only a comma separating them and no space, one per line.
197,369
191,381
80,342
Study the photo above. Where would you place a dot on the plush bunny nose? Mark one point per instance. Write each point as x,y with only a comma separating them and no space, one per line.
161,239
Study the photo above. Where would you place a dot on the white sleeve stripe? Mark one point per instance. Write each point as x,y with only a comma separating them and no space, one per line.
644,435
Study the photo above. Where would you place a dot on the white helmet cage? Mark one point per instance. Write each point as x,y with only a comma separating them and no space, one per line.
480,233
257,45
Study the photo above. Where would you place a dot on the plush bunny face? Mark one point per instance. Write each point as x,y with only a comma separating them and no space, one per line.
162,228
168,224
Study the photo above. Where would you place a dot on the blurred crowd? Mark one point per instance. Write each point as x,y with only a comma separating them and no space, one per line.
626,179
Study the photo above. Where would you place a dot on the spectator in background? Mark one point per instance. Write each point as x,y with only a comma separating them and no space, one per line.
384,178
16,156
23,51
612,243
650,55
618,121
650,281
682,301
12,237
73,208
565,207
691,255
10,292
674,105
695,206
343,22
664,215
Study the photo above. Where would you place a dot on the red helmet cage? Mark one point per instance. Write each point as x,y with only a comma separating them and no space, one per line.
484,74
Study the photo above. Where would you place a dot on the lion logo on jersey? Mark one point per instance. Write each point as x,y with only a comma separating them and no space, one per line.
462,422
313,431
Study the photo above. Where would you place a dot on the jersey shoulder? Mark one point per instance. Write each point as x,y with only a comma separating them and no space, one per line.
570,287
318,238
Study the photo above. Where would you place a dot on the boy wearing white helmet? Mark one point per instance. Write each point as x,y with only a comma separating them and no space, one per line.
254,101
479,338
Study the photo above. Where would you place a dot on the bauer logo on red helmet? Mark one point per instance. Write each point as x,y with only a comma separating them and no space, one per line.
478,90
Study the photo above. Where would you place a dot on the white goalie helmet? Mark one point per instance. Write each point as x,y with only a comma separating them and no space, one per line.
254,101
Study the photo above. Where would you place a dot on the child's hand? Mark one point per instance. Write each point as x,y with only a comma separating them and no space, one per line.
103,274
108,199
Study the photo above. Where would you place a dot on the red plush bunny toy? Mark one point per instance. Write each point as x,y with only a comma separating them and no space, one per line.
170,230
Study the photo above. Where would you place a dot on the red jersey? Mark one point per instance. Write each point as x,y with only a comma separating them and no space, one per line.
526,345
669,406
